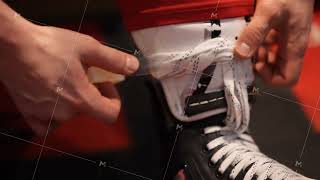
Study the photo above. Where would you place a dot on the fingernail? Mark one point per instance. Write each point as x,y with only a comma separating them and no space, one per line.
132,64
244,50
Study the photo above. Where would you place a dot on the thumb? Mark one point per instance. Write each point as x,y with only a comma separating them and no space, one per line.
253,36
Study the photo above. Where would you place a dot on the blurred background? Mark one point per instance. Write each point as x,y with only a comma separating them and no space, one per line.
285,122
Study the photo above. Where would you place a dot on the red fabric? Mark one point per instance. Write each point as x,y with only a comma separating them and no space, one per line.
308,88
83,134
139,14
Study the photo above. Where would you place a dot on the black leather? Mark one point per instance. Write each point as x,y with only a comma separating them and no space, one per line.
191,155
218,98
189,152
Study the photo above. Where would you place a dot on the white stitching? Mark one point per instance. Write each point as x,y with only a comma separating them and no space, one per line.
205,102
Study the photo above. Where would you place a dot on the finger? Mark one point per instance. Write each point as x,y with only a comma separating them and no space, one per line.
98,75
262,54
272,54
290,57
253,36
261,67
96,54
273,73
108,90
272,57
286,73
103,108
293,41
264,71
271,37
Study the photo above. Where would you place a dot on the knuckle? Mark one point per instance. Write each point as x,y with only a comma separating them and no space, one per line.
89,38
79,103
90,41
84,97
71,95
87,45
124,58
255,34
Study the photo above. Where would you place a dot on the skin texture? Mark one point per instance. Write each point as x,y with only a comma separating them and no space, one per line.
278,37
40,64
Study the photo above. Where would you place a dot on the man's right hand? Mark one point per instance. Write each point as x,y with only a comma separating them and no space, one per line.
279,33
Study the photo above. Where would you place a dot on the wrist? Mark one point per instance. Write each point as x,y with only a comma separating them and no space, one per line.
13,26
13,29
15,32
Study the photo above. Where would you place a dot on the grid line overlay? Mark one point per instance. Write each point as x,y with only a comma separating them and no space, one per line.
316,109
58,94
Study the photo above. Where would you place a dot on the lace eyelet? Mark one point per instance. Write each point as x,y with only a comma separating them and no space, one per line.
211,164
202,133
219,175
205,149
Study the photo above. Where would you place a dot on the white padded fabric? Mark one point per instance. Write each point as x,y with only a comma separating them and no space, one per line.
177,56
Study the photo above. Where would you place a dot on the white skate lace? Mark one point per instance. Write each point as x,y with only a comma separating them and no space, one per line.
240,152
217,51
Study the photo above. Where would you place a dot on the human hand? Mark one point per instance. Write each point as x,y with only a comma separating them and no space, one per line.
278,35
44,70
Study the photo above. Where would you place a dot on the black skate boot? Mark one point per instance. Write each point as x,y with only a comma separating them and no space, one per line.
208,151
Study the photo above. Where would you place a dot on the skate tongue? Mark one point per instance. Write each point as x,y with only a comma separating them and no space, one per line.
206,81
212,121
198,72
